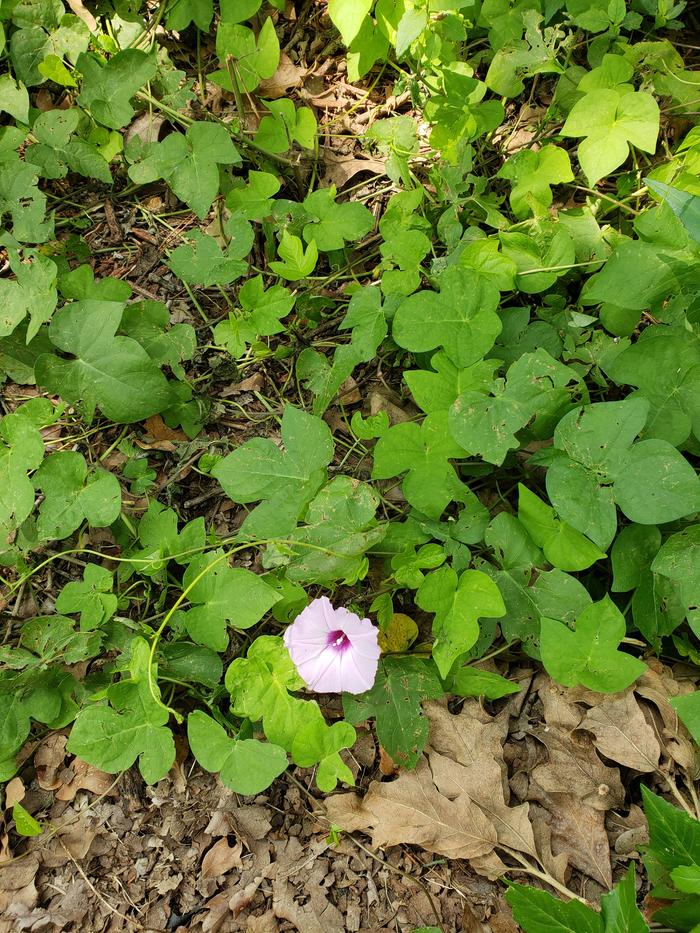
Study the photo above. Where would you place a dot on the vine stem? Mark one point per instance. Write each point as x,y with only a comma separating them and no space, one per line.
544,876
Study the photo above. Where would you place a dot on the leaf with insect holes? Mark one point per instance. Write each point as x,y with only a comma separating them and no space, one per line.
32,293
21,198
612,120
246,766
339,528
285,481
589,655
333,225
461,318
423,452
535,388
189,163
108,87
73,495
21,451
220,596
133,726
297,262
108,372
400,687
597,463
458,603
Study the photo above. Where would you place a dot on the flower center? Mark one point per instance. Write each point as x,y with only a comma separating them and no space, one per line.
338,640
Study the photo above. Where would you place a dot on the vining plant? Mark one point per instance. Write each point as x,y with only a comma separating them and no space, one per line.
526,283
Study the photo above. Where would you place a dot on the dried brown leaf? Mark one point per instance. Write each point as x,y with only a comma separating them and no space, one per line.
574,766
622,733
221,858
288,76
578,831
412,810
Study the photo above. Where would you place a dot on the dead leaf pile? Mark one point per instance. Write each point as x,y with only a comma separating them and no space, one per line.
541,785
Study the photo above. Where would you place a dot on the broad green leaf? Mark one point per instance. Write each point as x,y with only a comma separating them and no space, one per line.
632,554
246,766
687,878
186,662
286,480
436,391
339,528
254,200
366,320
348,16
261,317
201,261
297,262
113,373
679,561
684,205
536,911
674,837
473,682
589,655
637,276
246,59
113,737
148,323
21,199
287,124
395,700
57,151
665,368
73,495
563,546
92,597
32,293
458,604
650,480
317,742
259,685
222,595
160,540
333,225
184,12
531,175
611,120
14,99
423,452
108,87
461,318
535,387
188,163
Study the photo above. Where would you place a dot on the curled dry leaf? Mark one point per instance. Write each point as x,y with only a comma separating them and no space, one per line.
221,858
288,75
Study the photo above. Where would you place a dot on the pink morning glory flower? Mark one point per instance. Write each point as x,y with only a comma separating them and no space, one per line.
334,650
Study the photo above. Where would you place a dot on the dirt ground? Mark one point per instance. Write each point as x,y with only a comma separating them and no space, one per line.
189,855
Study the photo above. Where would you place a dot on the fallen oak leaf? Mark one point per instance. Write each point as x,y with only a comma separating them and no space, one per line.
412,810
622,733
